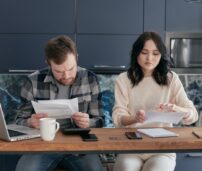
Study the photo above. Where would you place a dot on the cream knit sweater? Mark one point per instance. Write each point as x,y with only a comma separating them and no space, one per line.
147,95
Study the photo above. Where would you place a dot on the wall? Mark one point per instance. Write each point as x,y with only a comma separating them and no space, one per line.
104,30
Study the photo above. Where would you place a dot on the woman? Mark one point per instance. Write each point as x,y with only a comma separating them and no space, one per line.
147,85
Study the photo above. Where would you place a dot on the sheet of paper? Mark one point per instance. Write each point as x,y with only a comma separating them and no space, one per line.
157,132
59,108
167,117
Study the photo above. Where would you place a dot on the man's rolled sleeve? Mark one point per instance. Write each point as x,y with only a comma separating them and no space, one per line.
25,110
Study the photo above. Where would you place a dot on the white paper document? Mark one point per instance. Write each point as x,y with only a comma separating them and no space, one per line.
167,117
59,108
157,132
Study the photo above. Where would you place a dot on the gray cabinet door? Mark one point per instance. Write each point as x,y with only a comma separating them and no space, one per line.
189,162
110,16
104,49
181,15
26,26
154,16
106,30
37,16
23,51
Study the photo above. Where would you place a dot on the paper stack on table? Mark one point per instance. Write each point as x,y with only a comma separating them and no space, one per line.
157,132
59,108
167,117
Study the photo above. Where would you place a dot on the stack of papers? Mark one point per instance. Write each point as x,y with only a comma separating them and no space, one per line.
167,117
157,132
59,109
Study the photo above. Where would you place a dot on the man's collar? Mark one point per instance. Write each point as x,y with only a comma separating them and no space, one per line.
50,77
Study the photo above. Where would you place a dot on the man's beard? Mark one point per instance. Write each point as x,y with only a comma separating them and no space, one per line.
66,81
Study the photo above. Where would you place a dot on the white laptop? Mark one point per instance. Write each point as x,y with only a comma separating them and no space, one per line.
15,132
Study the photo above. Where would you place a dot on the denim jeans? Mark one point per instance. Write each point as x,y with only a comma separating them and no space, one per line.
48,162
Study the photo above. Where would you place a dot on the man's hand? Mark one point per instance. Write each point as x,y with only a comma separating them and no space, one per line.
82,120
34,120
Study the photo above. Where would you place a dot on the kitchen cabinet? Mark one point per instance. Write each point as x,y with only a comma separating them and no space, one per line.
182,15
104,49
36,16
110,17
189,161
26,26
154,16
23,51
106,30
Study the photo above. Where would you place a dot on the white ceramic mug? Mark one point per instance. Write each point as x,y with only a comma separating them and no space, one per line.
48,128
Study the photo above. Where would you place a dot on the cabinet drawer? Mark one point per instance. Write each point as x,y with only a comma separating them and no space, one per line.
189,161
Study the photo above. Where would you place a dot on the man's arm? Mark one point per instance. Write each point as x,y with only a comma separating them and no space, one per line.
87,90
95,105
25,110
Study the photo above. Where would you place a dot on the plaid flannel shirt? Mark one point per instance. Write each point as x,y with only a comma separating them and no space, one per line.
41,86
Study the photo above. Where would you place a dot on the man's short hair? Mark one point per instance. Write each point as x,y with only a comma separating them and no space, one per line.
58,47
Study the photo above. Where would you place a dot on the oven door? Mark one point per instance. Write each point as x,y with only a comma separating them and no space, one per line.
186,52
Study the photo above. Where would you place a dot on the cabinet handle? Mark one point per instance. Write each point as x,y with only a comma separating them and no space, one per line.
193,1
109,66
191,155
21,70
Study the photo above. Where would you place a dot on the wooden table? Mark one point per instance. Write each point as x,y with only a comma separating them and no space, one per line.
111,140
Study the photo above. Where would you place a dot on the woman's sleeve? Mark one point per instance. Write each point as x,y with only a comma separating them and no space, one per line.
121,99
182,102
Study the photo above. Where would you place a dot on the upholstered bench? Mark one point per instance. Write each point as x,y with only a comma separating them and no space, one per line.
10,85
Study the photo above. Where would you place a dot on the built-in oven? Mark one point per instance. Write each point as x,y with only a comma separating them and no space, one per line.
184,49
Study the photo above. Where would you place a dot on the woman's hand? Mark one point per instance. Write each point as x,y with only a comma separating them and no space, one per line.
166,107
139,117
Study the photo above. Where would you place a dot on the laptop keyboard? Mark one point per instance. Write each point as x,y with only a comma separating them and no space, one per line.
13,133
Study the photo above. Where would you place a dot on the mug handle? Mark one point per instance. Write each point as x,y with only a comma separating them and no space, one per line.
57,127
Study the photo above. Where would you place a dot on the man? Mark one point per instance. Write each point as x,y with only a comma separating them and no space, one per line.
64,79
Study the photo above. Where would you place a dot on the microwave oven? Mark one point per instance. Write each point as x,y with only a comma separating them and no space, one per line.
184,49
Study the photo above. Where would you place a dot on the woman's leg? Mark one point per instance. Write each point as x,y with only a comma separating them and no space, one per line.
38,162
128,162
160,163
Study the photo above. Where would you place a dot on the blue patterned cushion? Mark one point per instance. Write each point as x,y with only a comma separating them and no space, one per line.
107,105
9,104
107,88
194,92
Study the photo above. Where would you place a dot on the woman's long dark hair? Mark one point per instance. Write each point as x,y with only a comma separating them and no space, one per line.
160,74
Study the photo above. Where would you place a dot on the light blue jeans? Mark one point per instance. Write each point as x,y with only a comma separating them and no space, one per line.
48,162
